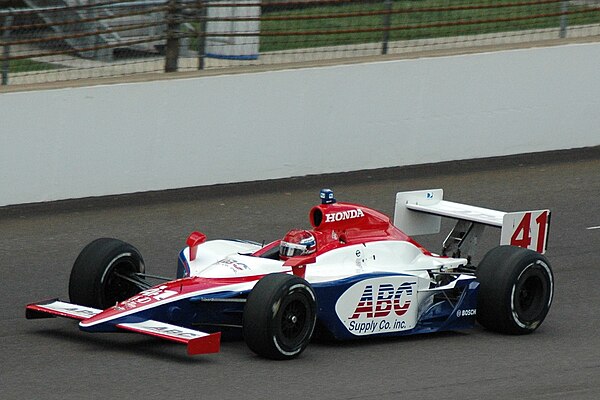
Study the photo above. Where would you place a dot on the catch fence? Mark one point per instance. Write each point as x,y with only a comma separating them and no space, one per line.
59,40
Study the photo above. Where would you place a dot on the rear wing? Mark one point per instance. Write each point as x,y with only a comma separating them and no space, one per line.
420,213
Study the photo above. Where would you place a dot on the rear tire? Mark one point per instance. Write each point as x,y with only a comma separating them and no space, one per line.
279,316
516,287
95,280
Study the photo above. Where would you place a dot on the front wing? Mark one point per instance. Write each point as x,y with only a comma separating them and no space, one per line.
197,342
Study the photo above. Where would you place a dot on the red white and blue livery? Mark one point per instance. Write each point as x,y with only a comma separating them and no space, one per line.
354,274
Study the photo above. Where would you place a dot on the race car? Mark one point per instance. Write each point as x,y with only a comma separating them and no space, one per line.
355,274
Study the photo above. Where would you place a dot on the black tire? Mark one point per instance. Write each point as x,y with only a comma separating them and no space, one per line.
94,280
516,287
279,316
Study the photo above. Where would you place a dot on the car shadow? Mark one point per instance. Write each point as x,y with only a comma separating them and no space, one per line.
324,341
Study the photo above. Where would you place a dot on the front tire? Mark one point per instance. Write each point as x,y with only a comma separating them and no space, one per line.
516,287
97,276
279,316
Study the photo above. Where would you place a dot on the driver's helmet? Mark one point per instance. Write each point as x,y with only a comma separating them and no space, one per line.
297,242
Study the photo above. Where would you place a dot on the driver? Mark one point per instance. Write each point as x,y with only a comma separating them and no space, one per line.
297,242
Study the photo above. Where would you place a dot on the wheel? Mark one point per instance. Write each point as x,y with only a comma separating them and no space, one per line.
516,286
97,276
279,316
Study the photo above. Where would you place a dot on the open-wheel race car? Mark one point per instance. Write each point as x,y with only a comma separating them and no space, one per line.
355,274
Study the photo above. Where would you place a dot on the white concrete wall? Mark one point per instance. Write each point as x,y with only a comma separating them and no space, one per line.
101,140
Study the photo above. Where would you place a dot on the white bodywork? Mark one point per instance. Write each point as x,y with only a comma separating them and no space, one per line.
371,257
412,289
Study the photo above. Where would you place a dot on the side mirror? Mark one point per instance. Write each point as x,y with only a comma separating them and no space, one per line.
193,241
298,264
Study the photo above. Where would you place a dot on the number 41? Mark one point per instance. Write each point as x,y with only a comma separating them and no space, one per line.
526,229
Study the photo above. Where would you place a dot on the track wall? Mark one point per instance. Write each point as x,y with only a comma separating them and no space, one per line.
123,138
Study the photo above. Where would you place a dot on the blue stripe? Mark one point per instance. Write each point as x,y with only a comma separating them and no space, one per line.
183,268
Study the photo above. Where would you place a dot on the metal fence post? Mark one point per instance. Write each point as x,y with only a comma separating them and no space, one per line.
564,22
172,43
201,37
95,14
387,21
6,49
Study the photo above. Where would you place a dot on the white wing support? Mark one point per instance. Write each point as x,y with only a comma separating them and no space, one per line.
420,213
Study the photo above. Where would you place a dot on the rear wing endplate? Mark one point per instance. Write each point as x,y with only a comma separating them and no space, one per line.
420,213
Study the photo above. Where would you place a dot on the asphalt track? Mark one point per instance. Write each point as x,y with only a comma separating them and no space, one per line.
52,359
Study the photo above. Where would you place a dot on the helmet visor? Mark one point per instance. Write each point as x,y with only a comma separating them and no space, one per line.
287,249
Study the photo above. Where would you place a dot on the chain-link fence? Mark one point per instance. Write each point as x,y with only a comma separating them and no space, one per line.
58,40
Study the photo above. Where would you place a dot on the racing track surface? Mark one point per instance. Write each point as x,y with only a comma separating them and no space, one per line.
52,359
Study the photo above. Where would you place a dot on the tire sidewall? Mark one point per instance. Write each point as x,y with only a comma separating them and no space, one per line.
124,256
504,275
91,281
535,269
298,293
264,315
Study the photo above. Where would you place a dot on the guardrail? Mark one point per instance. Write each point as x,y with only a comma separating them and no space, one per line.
74,39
